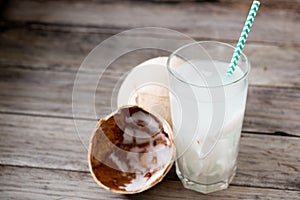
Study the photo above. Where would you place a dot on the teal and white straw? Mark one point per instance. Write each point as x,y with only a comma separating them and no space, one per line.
244,35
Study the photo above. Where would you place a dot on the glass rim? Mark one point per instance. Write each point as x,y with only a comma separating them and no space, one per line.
201,86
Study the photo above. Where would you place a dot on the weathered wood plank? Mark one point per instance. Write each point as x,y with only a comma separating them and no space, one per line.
274,154
271,109
264,161
31,183
30,48
44,142
205,20
274,4
50,93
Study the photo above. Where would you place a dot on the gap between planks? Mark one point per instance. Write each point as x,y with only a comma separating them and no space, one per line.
67,51
276,133
172,178
110,31
61,184
265,105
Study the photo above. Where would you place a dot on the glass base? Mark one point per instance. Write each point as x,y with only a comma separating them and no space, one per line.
205,188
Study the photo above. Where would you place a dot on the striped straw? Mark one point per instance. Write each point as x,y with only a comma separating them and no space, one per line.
243,37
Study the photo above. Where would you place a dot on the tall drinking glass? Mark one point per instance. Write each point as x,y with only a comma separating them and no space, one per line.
207,113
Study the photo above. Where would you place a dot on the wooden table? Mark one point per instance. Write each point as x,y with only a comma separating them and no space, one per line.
42,44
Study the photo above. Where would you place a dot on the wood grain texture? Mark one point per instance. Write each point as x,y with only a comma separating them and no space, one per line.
272,108
264,161
56,184
204,20
43,48
271,4
44,142
42,43
50,93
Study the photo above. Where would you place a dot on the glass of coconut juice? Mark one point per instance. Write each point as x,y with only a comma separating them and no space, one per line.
207,109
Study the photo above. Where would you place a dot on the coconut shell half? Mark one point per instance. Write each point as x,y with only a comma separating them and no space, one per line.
131,150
